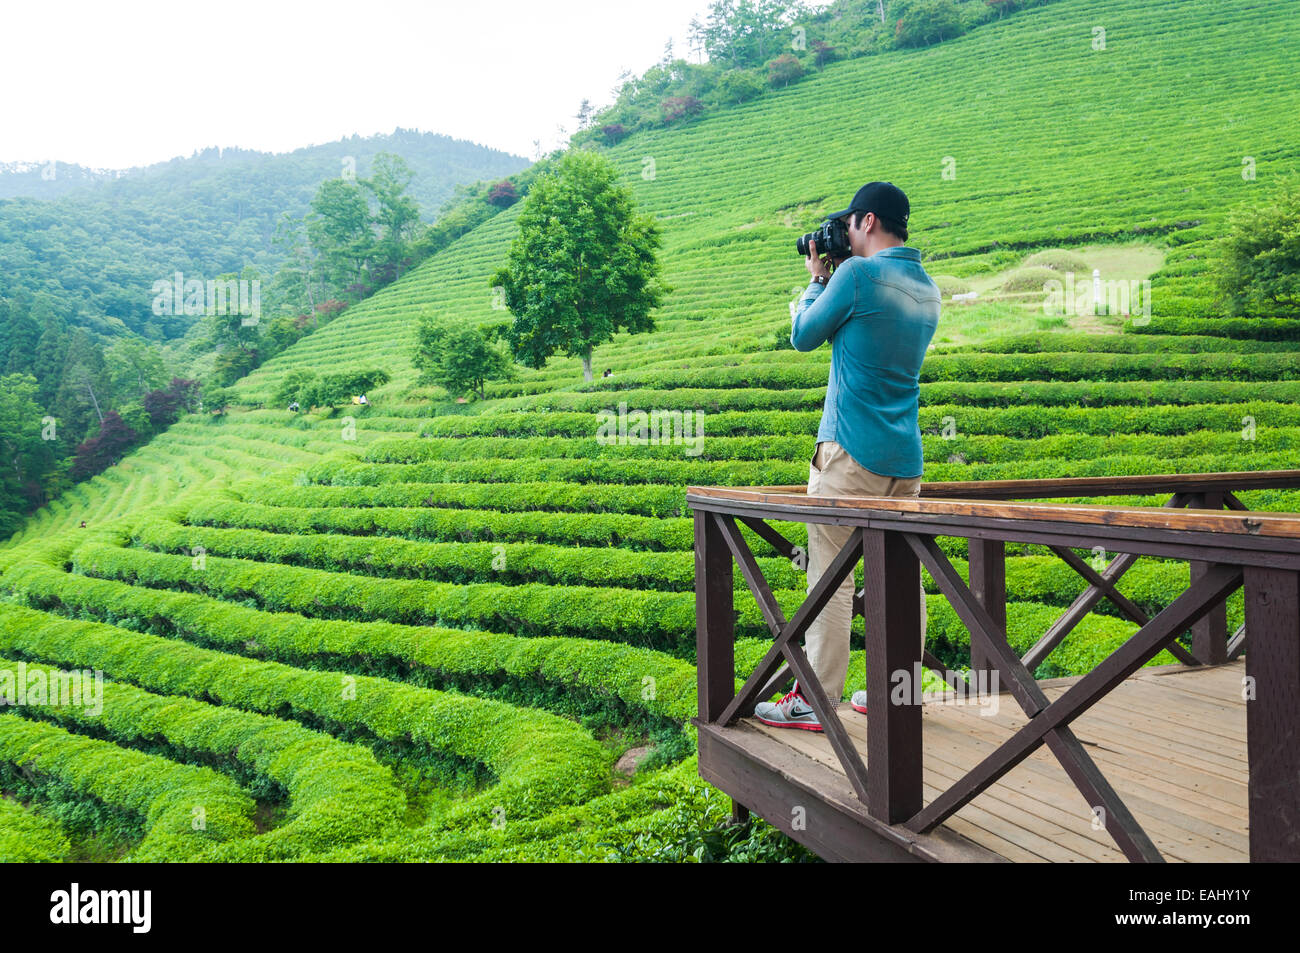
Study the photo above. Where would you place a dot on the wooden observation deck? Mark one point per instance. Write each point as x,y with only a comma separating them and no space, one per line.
1198,761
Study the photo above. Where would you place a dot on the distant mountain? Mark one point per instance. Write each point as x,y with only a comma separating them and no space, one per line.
49,180
96,240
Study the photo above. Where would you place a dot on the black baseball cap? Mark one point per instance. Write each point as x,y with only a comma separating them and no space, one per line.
883,198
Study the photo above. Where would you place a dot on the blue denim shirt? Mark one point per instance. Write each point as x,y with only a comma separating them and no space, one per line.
879,314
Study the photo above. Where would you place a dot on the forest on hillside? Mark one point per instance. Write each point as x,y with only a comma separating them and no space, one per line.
96,250
115,294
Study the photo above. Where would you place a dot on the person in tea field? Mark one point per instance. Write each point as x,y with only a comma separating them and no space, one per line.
878,308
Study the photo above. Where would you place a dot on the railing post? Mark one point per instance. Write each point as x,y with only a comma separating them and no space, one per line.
1210,634
892,614
715,634
1272,692
988,584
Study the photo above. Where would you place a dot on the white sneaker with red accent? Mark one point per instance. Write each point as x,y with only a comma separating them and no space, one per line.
859,701
792,711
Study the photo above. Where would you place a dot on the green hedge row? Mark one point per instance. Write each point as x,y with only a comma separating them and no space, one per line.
1068,366
1029,422
1248,459
27,837
1107,393
449,525
1090,393
506,563
709,400
540,760
533,497
338,793
649,499
1259,329
771,472
1264,439
680,473
1022,422
967,367
569,424
718,449
1150,342
162,795
1045,579
583,832
631,679
1267,437
659,620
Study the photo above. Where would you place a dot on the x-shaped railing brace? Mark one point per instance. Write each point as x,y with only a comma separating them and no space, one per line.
785,644
1049,722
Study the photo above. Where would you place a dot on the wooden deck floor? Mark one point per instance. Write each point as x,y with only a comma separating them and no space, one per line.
1172,742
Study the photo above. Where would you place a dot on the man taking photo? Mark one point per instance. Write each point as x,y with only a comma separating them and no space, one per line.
879,310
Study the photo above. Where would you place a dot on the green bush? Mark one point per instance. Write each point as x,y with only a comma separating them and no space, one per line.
27,837
1259,268
1029,278
1058,259
949,286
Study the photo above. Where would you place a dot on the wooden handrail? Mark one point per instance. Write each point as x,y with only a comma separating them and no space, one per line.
800,507
1152,484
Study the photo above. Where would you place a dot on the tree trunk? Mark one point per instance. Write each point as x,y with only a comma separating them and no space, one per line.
94,400
586,365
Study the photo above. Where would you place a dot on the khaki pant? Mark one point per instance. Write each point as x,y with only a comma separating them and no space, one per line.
834,473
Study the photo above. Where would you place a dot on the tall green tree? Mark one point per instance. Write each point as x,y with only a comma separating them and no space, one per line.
297,282
27,461
459,357
22,334
922,22
235,336
134,368
744,32
339,229
358,243
80,400
584,265
51,353
397,215
5,336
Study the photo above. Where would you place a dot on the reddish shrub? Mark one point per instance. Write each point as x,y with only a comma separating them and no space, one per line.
104,449
503,194
680,107
784,70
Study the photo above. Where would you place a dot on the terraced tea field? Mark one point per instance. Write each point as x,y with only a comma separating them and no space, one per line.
420,630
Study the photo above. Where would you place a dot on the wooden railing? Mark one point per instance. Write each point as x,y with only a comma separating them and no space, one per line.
1227,550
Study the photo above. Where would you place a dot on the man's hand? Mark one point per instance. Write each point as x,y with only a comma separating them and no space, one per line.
816,265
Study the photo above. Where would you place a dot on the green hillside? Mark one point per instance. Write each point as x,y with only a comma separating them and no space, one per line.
94,244
424,630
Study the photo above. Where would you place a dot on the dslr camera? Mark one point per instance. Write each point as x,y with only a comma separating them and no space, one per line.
832,239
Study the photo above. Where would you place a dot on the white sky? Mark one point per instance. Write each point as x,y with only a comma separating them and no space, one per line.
119,84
